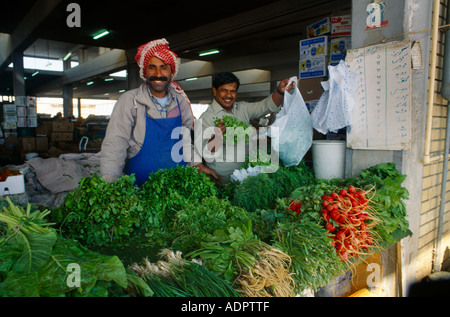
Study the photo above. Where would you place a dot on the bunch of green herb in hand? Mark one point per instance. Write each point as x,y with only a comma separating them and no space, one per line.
237,128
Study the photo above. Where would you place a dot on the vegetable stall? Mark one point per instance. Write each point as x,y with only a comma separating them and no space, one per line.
273,234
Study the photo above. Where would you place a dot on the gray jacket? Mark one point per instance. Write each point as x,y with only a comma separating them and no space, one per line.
243,111
126,128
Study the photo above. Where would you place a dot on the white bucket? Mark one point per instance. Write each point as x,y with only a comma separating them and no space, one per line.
329,158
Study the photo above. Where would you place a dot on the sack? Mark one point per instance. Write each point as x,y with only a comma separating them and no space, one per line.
295,132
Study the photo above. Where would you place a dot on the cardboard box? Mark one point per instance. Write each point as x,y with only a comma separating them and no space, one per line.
27,144
62,126
41,130
311,88
31,112
314,67
9,109
13,185
20,100
22,122
32,122
67,136
31,102
310,48
41,143
21,111
44,128
56,136
319,28
61,136
341,25
10,118
338,49
9,125
10,135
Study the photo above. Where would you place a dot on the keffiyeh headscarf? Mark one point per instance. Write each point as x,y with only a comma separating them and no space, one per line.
160,49
157,48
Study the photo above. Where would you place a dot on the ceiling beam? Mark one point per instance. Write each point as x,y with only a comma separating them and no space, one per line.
266,61
246,24
107,63
24,34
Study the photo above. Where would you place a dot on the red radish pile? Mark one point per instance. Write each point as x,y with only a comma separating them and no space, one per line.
295,206
348,217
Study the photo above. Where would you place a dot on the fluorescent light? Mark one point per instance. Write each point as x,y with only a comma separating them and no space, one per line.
121,91
109,79
89,83
191,79
35,73
102,34
209,52
65,58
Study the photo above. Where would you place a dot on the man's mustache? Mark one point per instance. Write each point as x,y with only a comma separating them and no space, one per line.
154,78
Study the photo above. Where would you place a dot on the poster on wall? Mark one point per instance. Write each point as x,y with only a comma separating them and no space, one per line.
381,114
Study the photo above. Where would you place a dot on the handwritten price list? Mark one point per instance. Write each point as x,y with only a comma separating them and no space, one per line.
381,114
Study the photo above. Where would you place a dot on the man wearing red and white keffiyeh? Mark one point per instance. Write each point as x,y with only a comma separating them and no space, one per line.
138,138
159,49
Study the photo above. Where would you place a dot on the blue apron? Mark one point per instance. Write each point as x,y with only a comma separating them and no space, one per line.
155,152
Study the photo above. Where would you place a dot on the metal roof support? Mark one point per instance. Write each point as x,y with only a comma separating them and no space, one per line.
23,36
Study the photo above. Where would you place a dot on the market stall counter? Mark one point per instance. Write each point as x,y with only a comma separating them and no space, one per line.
276,234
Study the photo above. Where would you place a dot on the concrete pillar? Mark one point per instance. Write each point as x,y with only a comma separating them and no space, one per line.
67,93
82,55
67,100
79,107
18,78
133,78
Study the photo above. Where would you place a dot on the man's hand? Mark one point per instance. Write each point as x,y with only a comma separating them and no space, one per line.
109,178
217,140
210,172
282,86
277,96
222,127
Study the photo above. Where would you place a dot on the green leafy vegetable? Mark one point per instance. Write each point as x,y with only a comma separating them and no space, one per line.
262,191
167,191
314,261
175,276
388,198
30,234
196,221
35,260
238,128
99,213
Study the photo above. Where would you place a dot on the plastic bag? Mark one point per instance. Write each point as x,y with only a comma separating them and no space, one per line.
241,174
295,132
334,108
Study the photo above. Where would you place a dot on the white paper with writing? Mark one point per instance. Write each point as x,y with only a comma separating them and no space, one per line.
381,114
